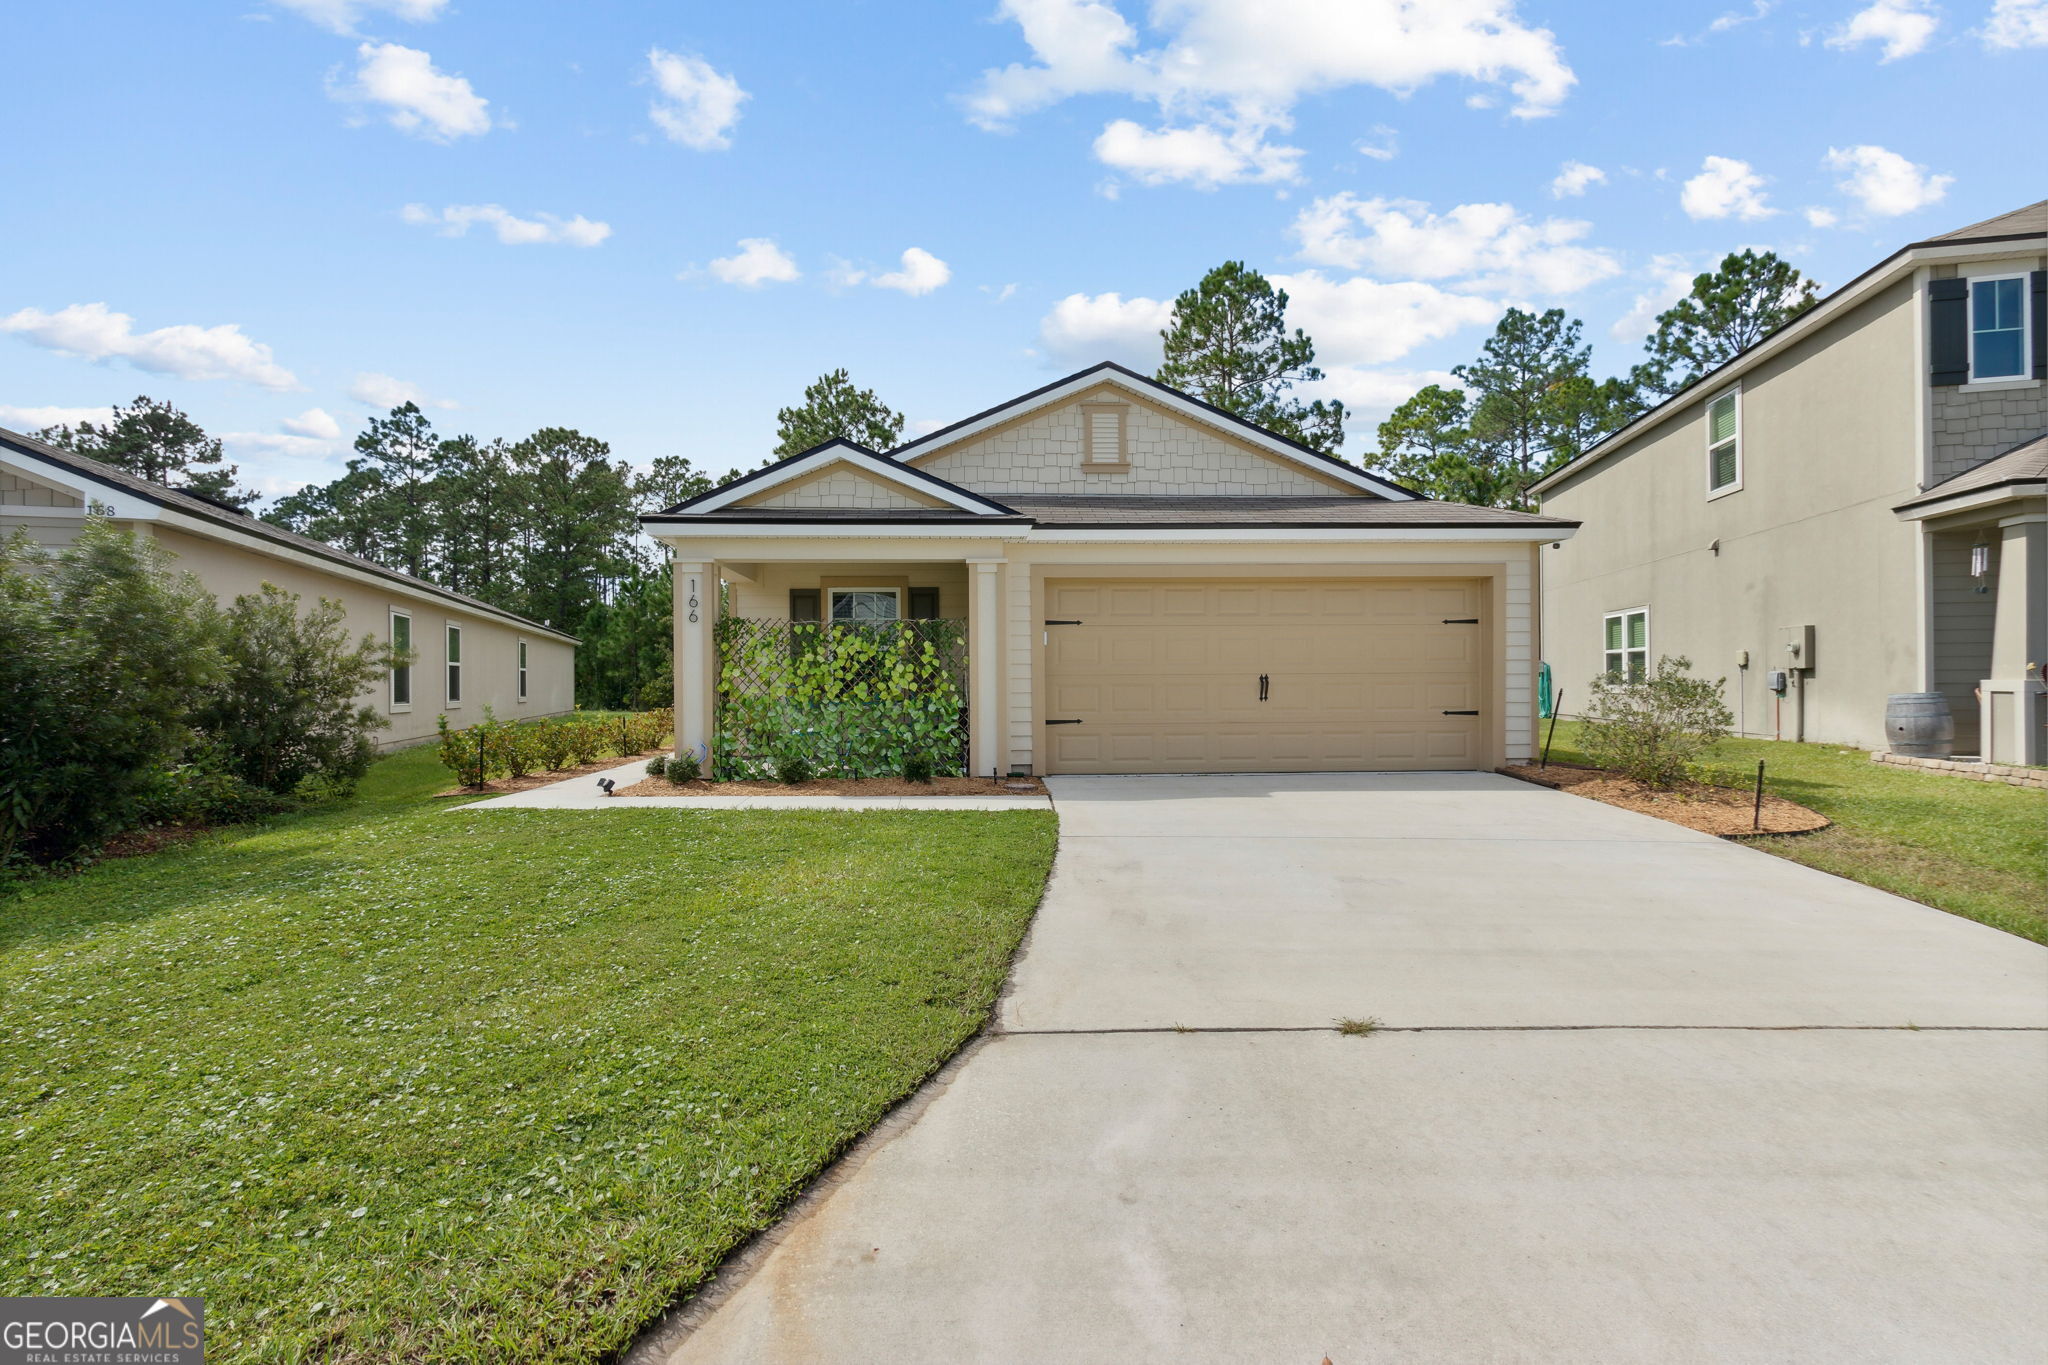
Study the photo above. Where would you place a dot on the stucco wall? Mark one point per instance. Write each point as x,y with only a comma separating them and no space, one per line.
1829,447
489,645
1042,454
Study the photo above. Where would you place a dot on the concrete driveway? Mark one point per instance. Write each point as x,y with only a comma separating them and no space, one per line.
1639,1095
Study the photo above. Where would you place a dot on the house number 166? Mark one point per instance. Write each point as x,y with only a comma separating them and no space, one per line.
693,601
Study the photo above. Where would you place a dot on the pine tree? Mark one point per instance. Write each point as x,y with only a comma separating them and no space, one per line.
155,441
401,451
575,535
834,409
1228,345
1729,310
347,513
475,514
671,479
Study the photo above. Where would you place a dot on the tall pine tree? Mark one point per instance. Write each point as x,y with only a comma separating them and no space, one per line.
834,409
1729,310
1229,346
155,441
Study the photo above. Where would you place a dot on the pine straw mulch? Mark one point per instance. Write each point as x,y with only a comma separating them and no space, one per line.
498,786
837,786
1726,811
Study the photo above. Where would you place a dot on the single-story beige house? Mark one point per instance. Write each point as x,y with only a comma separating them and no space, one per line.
468,655
1147,585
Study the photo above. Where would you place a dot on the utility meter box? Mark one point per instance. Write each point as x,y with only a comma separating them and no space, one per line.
1775,679
1798,643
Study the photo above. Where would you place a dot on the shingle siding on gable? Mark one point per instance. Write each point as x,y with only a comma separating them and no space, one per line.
1166,455
1972,426
17,491
840,488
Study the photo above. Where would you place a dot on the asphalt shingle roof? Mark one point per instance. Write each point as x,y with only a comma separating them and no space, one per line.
2024,463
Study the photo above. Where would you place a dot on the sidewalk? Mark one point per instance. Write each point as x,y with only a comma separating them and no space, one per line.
582,793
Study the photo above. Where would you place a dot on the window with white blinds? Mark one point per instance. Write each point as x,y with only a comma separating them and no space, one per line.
1724,443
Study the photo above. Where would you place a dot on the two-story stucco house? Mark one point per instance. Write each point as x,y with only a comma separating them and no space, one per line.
1854,507
467,655
1149,584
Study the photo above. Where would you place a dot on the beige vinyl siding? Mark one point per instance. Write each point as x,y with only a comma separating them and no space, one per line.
1828,448
839,486
19,490
1963,620
767,597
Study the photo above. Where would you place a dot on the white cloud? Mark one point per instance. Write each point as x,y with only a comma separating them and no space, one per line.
2016,24
1883,182
1227,73
32,420
1383,146
1082,329
341,16
417,98
1574,178
1725,188
96,332
1722,23
1205,155
1481,247
383,391
1671,280
698,106
313,422
1903,26
1363,321
456,220
922,272
1820,218
1372,395
759,261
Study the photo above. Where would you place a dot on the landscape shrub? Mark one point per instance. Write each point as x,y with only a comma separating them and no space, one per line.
793,767
205,790
499,748
586,740
658,766
102,649
551,746
917,768
1654,730
285,707
684,767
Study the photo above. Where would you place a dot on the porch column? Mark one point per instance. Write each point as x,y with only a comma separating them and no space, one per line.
696,608
2010,699
984,666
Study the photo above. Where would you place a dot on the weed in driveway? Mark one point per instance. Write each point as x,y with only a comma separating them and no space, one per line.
1358,1028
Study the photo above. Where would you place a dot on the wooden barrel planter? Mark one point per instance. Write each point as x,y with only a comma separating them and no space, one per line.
1919,725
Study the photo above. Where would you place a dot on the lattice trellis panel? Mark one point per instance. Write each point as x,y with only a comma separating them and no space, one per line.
854,699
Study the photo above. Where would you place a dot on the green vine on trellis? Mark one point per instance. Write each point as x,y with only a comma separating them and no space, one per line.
852,699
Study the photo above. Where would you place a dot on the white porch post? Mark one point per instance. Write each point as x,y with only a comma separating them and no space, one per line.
984,666
696,608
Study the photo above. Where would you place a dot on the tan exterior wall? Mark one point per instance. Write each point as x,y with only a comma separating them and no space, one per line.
1506,568
839,487
1829,446
1963,619
50,532
1164,454
489,645
767,598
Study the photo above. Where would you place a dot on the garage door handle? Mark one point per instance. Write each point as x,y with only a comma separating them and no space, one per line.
1065,623
1063,722
1262,686
1461,620
1461,713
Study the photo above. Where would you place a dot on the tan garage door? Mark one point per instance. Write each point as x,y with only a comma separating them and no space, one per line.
1196,675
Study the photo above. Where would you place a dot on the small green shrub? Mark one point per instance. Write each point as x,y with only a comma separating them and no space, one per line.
917,768
585,740
684,767
793,768
658,766
551,744
205,790
1655,730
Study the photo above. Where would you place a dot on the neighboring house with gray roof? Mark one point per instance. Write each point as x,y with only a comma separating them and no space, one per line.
1866,484
1147,584
467,654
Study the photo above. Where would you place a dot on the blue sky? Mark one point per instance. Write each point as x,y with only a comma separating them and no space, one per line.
657,222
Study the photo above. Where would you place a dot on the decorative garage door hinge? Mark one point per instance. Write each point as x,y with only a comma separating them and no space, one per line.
1063,722
1066,623
1461,620
1461,713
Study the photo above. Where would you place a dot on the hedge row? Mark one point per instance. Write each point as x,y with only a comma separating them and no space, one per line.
517,748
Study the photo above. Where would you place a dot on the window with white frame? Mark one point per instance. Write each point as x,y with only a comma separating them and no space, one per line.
1724,443
522,670
401,671
1998,327
454,665
866,604
1628,643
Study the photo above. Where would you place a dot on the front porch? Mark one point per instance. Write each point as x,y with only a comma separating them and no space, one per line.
1986,536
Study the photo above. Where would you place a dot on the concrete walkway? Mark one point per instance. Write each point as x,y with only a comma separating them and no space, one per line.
582,793
1641,1095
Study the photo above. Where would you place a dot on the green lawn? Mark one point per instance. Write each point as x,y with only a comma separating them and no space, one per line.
384,1083
1976,849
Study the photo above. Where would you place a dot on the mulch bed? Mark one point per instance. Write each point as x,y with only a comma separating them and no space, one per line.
833,786
498,786
135,843
1725,811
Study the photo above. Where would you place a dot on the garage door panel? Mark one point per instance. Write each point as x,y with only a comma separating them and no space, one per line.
1163,676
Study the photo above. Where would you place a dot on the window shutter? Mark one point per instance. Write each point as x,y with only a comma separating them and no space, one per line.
924,604
803,604
2039,281
1948,330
